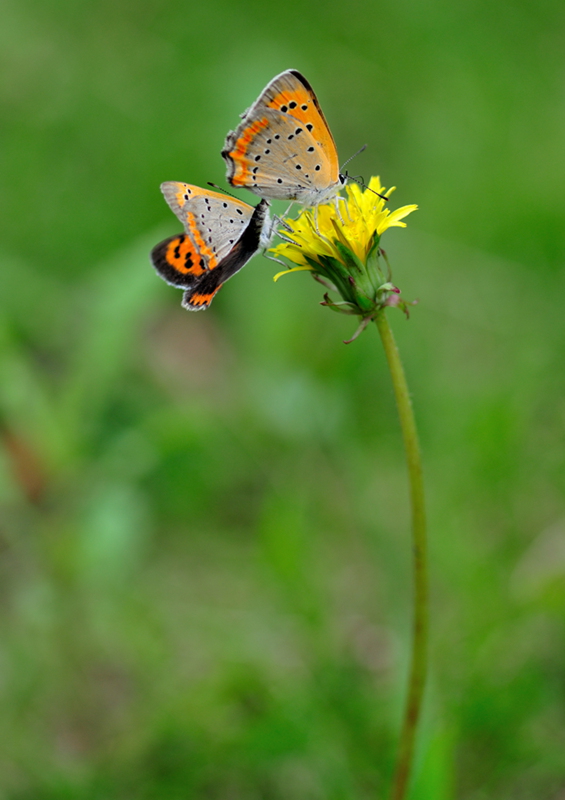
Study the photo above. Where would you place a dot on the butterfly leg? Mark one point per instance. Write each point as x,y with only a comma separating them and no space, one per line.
277,260
316,220
281,221
338,211
287,239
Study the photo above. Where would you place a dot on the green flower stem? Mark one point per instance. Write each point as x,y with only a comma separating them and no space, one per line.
419,663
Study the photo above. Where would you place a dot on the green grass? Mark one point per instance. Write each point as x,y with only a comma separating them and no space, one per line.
204,530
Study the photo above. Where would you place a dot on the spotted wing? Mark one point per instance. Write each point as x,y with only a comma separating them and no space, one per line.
181,264
283,147
213,221
178,261
244,249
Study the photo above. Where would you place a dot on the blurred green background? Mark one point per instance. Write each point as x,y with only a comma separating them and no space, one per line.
205,554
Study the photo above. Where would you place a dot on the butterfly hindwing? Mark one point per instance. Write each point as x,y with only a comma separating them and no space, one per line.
178,261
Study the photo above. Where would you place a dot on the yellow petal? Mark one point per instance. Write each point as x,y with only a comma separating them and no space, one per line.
288,271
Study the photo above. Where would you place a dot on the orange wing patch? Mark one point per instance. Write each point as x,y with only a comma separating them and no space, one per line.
239,153
178,262
298,102
183,257
303,106
202,246
197,301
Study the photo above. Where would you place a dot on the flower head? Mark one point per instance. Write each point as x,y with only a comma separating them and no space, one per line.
339,242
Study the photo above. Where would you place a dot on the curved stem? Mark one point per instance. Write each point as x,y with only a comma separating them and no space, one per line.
418,666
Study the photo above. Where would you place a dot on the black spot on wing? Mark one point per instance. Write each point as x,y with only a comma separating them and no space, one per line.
170,271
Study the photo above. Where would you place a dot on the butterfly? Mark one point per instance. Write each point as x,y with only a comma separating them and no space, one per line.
283,148
221,235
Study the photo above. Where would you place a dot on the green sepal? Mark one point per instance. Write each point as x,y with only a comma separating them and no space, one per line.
364,288
375,239
350,260
341,308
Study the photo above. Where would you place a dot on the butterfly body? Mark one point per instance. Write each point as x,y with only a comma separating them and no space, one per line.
283,147
221,235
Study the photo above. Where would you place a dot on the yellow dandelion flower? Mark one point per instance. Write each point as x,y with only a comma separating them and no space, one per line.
339,242
362,214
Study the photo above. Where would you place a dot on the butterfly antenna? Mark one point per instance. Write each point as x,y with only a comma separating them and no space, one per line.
353,156
224,191
349,177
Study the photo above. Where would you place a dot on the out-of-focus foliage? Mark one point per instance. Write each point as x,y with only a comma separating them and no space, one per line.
205,587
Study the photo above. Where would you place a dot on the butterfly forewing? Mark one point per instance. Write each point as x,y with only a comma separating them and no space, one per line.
213,221
290,93
283,147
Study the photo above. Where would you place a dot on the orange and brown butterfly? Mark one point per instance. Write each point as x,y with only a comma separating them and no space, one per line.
283,147
221,235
